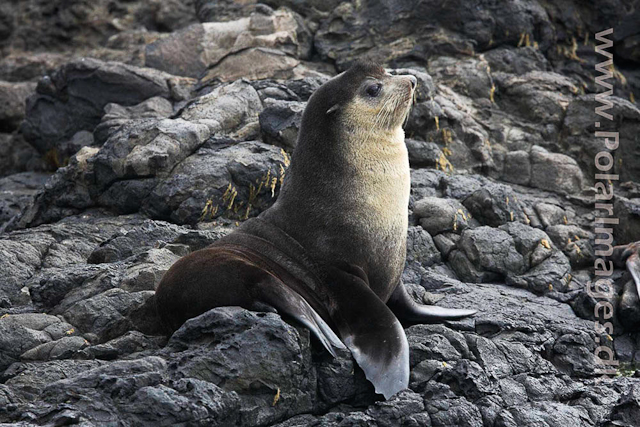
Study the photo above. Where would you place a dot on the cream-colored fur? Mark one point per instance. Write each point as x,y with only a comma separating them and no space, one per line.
380,162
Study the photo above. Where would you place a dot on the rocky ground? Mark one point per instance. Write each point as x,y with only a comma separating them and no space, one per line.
133,132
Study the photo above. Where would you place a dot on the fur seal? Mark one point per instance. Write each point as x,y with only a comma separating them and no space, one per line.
331,250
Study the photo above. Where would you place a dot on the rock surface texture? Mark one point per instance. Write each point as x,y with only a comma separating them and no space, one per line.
134,132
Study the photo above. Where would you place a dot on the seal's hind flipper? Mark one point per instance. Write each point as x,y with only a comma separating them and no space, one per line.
370,330
275,293
410,311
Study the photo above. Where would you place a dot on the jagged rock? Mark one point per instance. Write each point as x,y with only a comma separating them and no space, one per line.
423,154
193,50
17,191
22,332
629,309
628,213
495,205
487,251
237,181
109,314
116,115
555,172
517,167
439,215
14,96
574,242
225,10
280,123
582,145
231,110
16,156
17,264
73,98
220,347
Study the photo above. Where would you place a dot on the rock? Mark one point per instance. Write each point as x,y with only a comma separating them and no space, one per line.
574,242
462,186
23,332
255,64
424,154
116,115
420,248
226,10
109,314
237,182
550,214
517,167
582,145
439,215
17,264
492,250
230,110
73,99
629,308
16,156
533,244
14,96
17,192
135,240
64,348
555,172
627,409
540,97
628,213
193,50
280,123
516,61
146,148
495,205
219,346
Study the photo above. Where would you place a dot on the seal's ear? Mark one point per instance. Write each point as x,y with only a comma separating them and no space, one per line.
333,109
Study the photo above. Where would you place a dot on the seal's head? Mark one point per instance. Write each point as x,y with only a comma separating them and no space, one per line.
363,96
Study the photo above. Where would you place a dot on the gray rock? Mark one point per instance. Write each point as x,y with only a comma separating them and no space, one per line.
280,123
555,172
629,308
628,213
73,98
23,332
229,110
550,214
18,263
109,314
238,182
423,154
627,410
420,248
440,215
193,50
495,205
574,242
219,346
64,348
14,96
517,167
16,155
17,191
488,249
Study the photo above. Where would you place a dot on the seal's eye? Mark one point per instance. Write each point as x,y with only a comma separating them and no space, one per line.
374,90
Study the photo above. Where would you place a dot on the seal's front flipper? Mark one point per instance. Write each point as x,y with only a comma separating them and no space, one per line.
410,311
370,330
273,292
